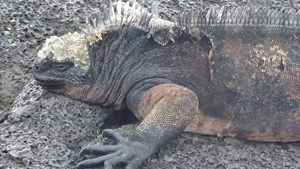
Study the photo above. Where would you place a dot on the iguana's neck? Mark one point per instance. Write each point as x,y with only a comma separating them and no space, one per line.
80,89
112,59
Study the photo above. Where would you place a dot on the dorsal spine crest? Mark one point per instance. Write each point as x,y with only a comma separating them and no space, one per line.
131,14
243,16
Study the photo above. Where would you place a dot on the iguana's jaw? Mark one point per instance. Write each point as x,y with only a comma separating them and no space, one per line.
49,82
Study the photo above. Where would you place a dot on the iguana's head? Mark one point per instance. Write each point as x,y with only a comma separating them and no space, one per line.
62,63
93,65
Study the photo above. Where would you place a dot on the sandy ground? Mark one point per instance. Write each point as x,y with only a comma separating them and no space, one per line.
45,130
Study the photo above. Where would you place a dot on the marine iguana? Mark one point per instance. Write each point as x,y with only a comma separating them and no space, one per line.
223,71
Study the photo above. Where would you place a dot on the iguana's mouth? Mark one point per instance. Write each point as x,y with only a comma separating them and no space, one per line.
48,81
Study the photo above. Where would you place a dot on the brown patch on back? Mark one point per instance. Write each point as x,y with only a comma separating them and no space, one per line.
268,135
291,82
208,125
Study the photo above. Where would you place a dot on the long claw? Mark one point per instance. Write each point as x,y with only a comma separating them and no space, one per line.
114,134
96,161
97,149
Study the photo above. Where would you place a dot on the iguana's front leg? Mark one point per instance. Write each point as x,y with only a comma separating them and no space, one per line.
167,109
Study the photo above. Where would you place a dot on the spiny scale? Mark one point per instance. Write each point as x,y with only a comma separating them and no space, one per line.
154,9
99,20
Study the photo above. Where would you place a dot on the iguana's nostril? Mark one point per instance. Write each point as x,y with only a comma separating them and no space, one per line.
36,67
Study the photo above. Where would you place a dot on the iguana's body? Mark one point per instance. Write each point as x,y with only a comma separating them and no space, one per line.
220,77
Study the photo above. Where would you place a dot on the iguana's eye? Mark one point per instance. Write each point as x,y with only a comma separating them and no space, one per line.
50,55
62,68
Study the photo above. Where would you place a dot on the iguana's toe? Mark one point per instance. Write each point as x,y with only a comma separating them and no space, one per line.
95,161
126,151
114,134
98,149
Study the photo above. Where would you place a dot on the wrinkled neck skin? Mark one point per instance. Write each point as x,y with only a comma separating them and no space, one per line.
115,67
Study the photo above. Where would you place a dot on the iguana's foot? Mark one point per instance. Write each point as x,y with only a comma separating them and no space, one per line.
126,151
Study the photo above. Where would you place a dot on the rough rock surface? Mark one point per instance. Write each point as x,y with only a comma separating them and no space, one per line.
45,130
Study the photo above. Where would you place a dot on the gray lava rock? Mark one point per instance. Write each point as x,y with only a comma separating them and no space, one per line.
45,130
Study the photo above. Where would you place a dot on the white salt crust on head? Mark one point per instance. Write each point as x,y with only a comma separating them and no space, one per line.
70,46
